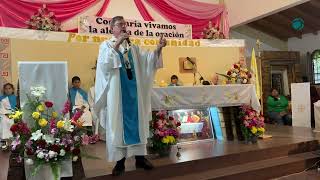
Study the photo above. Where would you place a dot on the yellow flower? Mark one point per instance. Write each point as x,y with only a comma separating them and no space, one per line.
43,122
16,116
54,114
41,108
254,130
18,113
261,129
165,140
60,124
36,115
171,139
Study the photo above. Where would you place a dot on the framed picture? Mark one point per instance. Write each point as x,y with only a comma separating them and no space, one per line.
187,64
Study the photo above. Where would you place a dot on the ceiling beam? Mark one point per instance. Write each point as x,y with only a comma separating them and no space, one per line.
282,31
309,20
286,22
266,29
314,3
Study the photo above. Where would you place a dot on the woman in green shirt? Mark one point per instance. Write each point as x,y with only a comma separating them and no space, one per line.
278,108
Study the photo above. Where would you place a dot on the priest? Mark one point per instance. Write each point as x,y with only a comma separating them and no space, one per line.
124,79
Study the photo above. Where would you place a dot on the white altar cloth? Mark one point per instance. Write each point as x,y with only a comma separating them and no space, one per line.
195,97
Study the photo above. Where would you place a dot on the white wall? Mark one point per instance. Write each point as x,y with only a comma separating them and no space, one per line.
251,35
308,43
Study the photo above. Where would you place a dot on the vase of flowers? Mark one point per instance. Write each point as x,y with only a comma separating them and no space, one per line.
53,140
238,74
252,124
165,131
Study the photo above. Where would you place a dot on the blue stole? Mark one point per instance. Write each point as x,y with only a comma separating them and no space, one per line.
12,100
73,92
129,103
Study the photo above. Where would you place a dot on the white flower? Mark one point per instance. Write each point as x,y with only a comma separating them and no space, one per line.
36,135
68,126
40,155
29,162
52,154
75,158
245,81
76,138
38,91
62,152
48,138
233,75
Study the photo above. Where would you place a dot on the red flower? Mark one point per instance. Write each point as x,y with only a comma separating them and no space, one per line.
229,73
67,149
41,143
178,123
29,152
55,148
171,118
14,128
155,125
76,151
235,66
249,75
48,104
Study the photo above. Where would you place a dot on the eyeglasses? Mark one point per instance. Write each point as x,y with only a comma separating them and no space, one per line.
121,24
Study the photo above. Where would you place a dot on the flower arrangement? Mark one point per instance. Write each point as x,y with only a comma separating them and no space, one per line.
212,32
252,123
52,138
165,131
44,20
238,73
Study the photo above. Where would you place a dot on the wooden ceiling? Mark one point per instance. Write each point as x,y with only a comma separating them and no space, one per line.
279,24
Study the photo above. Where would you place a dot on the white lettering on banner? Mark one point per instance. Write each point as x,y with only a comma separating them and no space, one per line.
101,25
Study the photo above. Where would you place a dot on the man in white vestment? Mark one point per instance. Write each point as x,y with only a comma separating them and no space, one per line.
124,79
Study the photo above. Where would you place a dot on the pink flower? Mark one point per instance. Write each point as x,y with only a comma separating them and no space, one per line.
66,107
85,140
77,115
94,138
161,134
15,143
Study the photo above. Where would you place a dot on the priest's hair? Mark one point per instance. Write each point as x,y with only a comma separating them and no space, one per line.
115,19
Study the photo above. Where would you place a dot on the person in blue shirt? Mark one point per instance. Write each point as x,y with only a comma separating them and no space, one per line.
8,104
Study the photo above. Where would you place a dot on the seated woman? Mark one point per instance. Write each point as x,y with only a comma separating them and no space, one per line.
278,108
174,81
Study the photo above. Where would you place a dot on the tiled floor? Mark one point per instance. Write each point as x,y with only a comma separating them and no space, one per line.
190,151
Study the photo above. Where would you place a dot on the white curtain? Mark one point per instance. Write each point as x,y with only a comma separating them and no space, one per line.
51,75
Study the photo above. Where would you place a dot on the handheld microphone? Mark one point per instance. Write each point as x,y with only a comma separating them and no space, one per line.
128,40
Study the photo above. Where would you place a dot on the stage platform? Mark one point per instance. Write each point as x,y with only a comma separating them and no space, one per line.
290,150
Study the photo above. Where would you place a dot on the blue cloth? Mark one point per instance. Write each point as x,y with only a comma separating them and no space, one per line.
129,103
12,100
73,92
216,122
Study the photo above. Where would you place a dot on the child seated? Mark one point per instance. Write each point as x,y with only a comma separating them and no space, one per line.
79,102
174,81
8,103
